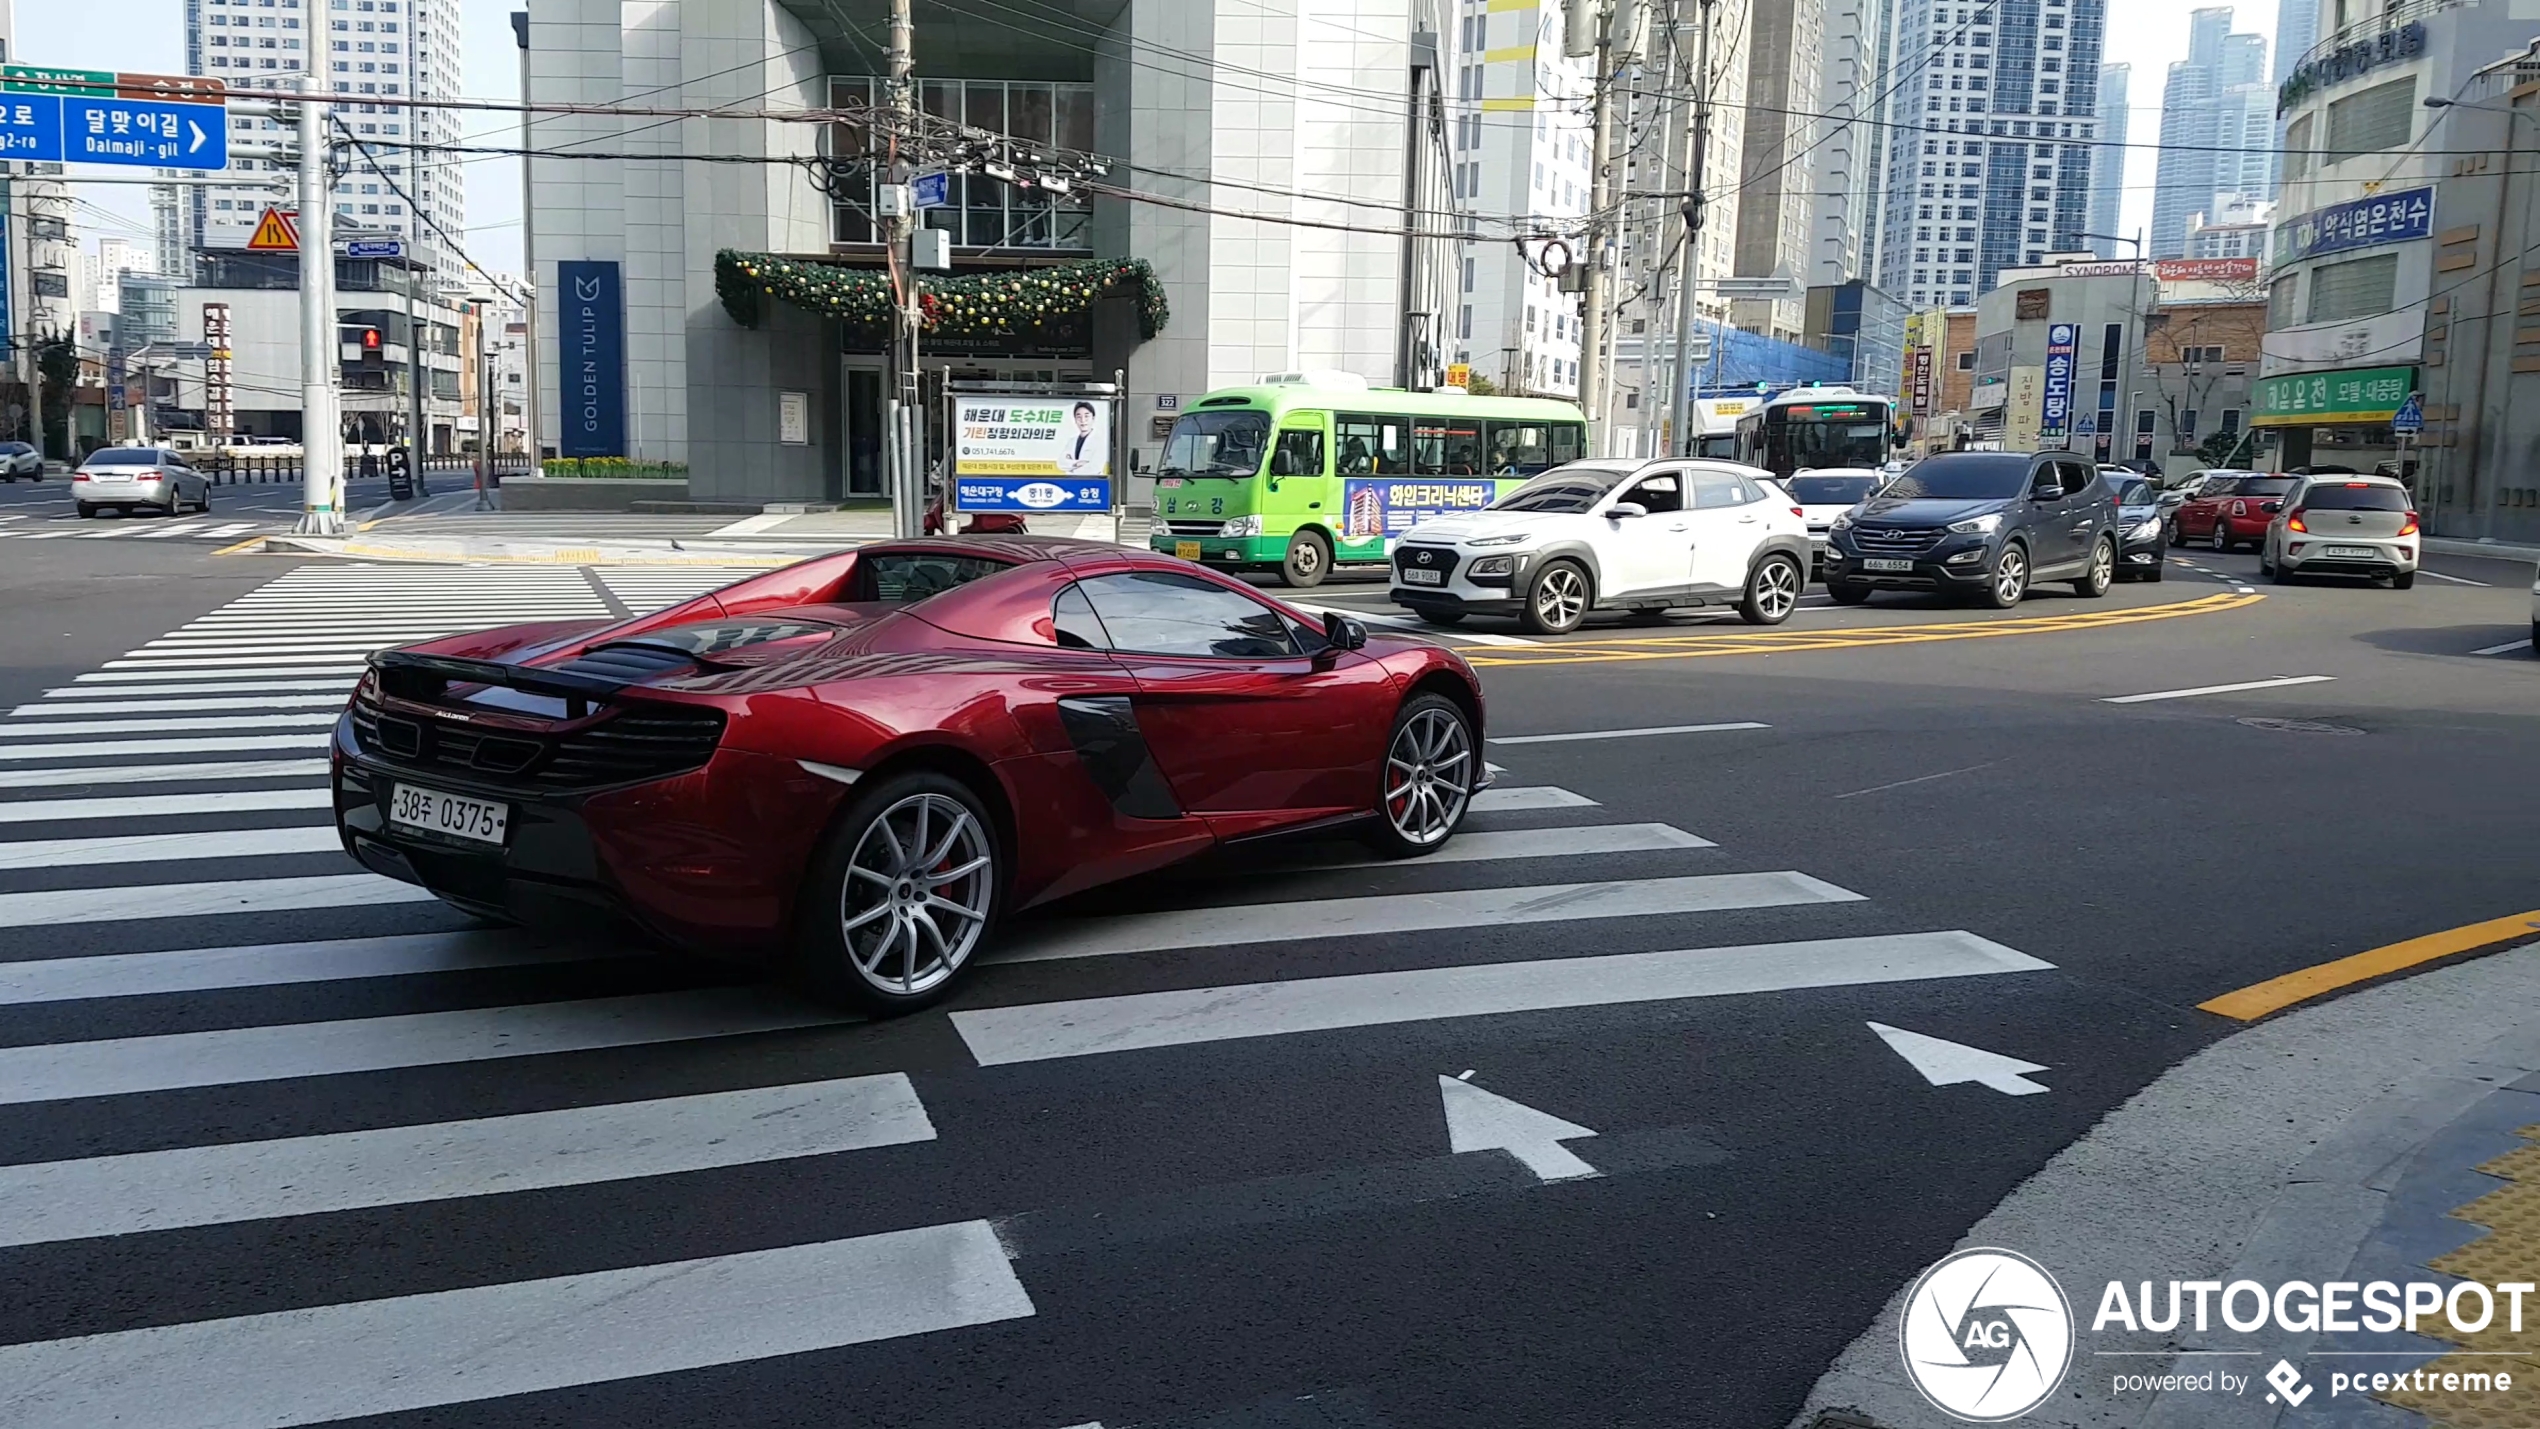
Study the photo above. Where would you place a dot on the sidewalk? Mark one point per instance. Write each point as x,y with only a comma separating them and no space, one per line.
452,536
2393,1134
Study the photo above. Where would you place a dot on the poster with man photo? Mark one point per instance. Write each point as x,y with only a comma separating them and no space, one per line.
1032,453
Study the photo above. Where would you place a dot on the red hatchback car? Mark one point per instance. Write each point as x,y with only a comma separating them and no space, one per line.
2228,511
857,764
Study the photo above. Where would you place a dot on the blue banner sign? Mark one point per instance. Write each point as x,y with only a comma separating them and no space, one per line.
94,129
2367,222
1031,493
591,361
375,248
1385,507
2061,338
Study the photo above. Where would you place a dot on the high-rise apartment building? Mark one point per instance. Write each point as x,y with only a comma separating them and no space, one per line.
2107,162
101,273
2217,130
1992,111
1777,192
2297,28
391,49
1851,143
1519,117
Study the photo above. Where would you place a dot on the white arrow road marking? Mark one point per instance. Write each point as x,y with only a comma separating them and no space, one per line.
1946,1063
1477,1120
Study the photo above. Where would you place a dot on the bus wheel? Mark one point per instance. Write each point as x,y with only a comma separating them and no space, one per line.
1309,560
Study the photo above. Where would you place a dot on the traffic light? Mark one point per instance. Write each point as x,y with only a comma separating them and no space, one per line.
373,359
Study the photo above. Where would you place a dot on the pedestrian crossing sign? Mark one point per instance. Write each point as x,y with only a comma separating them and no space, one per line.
275,233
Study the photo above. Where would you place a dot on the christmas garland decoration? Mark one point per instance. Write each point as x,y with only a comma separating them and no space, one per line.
969,305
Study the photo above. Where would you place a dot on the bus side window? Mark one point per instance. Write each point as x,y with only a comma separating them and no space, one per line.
1569,443
1518,449
1300,453
1370,446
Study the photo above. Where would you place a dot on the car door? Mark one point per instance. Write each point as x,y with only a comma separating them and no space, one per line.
1648,554
1728,523
1254,721
2089,507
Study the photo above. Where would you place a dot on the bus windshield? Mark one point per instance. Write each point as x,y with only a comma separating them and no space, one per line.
1834,441
1225,444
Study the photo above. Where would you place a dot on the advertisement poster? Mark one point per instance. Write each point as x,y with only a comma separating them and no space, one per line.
1031,453
1374,507
2400,217
2020,413
1922,382
591,340
2056,415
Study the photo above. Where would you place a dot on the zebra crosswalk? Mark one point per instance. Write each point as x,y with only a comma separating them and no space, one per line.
130,528
219,1035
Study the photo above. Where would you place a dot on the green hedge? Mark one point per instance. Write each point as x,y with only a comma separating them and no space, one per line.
616,468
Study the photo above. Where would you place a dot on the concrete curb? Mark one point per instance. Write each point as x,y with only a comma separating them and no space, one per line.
2268,1156
2488,550
479,551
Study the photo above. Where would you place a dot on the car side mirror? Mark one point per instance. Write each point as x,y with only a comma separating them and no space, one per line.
2270,506
1626,508
2046,488
1343,631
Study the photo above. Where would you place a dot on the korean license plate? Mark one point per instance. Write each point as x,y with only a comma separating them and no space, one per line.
451,815
1187,550
2358,552
1885,563
1420,577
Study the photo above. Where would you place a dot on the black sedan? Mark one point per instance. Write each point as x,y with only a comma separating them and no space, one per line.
2141,527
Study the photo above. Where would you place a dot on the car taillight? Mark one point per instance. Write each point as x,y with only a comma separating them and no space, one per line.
2408,524
2293,522
1798,512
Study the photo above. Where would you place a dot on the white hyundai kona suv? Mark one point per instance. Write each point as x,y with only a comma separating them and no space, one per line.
1647,537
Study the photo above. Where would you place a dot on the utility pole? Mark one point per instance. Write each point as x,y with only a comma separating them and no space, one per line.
905,441
1680,394
414,370
321,434
528,251
1592,374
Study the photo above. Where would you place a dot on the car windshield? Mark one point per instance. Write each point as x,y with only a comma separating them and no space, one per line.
14,449
1220,444
2134,491
124,456
1569,489
2355,496
1831,490
1964,476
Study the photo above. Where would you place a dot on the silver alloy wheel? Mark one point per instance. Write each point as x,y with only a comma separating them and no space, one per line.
1428,777
1776,589
916,894
1305,556
2103,566
1560,597
2010,575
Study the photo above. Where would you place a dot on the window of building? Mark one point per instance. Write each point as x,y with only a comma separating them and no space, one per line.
2378,118
2357,288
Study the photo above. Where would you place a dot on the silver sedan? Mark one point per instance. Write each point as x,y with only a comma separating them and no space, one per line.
133,479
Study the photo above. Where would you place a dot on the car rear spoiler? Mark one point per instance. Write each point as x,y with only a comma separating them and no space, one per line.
412,676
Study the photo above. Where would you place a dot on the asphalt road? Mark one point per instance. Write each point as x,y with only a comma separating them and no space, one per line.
1133,1194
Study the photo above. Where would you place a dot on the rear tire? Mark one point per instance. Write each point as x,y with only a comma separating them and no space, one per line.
902,896
2404,580
1846,593
2102,573
2178,534
1309,559
1425,788
1772,591
1558,598
1442,617
2221,539
86,511
2278,571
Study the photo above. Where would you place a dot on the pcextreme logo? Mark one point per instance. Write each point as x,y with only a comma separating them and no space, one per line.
1987,1335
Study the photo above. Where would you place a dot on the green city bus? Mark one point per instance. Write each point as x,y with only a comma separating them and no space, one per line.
1295,476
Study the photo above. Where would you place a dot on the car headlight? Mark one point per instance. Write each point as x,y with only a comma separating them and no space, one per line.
1518,539
1492,566
1241,526
1842,521
1984,525
2145,530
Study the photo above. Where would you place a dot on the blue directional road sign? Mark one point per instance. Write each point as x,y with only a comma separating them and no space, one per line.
931,190
107,129
2411,415
375,248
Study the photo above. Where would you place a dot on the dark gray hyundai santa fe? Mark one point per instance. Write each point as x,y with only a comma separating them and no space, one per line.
1985,524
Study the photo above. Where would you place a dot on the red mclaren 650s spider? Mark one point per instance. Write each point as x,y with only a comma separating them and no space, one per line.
856,765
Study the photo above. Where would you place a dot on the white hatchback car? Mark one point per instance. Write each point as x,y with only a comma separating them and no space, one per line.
2342,525
1647,537
1823,493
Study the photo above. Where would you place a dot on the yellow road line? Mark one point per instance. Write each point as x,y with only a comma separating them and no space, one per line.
2279,993
1761,642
